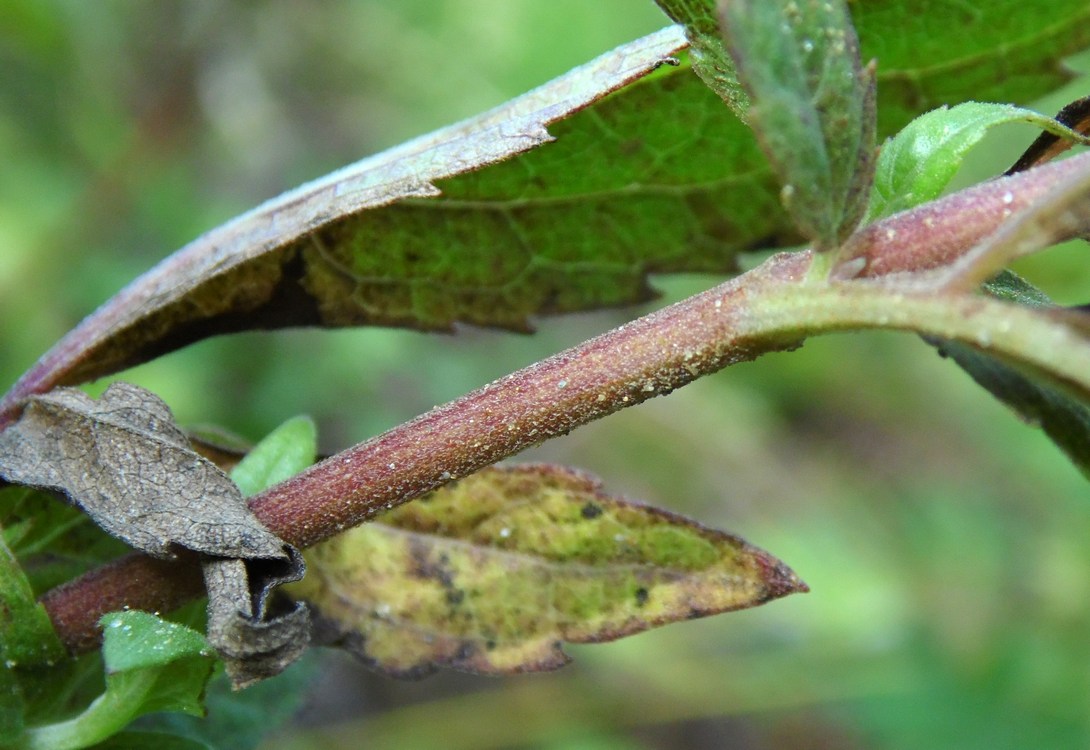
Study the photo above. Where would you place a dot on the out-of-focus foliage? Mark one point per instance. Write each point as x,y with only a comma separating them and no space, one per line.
943,540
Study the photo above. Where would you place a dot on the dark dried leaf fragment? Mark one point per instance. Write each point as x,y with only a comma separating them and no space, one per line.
255,640
1047,146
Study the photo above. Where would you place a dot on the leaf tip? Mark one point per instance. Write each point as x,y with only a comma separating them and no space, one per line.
779,580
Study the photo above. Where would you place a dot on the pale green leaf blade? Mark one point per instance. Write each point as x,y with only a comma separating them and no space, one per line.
492,573
812,107
917,164
140,640
281,454
151,665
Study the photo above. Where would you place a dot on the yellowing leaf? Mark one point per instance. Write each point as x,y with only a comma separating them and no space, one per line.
490,574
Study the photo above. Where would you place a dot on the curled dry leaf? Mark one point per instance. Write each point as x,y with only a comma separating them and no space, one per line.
124,461
492,573
254,642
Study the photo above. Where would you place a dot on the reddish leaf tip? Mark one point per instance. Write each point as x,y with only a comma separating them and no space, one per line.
779,579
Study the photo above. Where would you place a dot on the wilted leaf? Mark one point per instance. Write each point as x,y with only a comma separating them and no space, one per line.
493,572
151,665
255,640
124,461
917,164
812,107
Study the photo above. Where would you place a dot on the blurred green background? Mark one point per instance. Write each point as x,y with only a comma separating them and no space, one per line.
945,542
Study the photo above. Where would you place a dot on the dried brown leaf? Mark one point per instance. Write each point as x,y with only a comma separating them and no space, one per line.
128,466
124,461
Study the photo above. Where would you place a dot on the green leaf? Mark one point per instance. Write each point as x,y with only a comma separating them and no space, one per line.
709,58
917,164
56,541
657,177
241,719
11,703
1065,420
491,573
139,640
452,227
151,665
26,634
283,453
942,53
812,107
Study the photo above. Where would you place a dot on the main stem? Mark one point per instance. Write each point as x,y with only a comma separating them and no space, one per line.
737,321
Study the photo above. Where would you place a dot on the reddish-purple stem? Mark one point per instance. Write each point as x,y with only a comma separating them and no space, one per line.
648,357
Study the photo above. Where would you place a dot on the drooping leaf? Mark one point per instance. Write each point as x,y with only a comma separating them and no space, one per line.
657,177
812,107
124,462
493,572
917,164
151,665
579,224
1065,420
282,453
